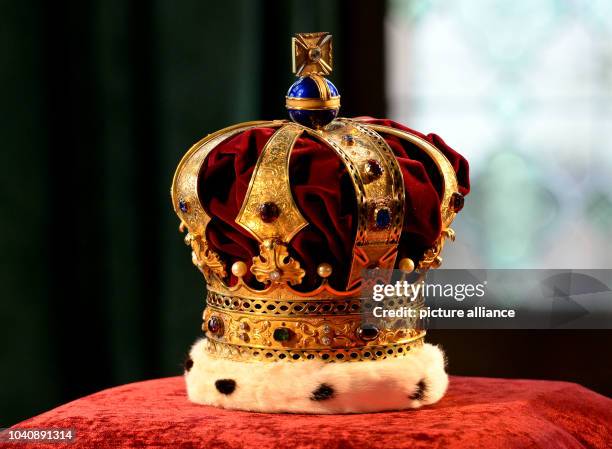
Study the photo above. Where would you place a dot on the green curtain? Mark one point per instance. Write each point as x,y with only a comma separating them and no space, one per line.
100,100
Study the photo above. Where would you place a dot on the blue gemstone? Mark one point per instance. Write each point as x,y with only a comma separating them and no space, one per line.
383,218
183,206
348,139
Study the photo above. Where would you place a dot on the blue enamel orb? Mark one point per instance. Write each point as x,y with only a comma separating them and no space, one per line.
313,101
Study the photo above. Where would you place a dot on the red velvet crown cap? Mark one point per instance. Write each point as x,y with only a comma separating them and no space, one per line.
324,193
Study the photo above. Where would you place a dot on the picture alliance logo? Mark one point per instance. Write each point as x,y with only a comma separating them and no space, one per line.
414,291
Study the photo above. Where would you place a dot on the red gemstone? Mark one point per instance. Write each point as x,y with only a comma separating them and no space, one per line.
215,325
269,212
457,201
373,169
367,332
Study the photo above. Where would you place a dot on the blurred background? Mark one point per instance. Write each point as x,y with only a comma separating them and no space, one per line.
101,99
525,89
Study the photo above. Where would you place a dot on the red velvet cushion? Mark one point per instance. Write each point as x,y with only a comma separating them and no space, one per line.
324,193
475,413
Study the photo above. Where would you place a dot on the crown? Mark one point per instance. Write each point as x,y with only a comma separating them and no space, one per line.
285,217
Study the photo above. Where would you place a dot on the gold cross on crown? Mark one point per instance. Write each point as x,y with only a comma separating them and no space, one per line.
312,53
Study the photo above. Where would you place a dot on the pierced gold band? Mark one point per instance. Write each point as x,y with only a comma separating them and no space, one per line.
251,354
296,306
285,307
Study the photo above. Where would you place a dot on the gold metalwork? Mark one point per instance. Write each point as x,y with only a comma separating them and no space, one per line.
322,86
312,103
356,144
274,264
306,332
446,169
248,354
312,53
185,190
289,307
330,305
185,181
203,257
279,291
431,258
270,183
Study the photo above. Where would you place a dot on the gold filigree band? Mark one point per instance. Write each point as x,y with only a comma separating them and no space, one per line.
250,354
299,332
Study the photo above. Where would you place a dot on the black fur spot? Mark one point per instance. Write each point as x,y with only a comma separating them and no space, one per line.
322,393
188,363
225,386
420,391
